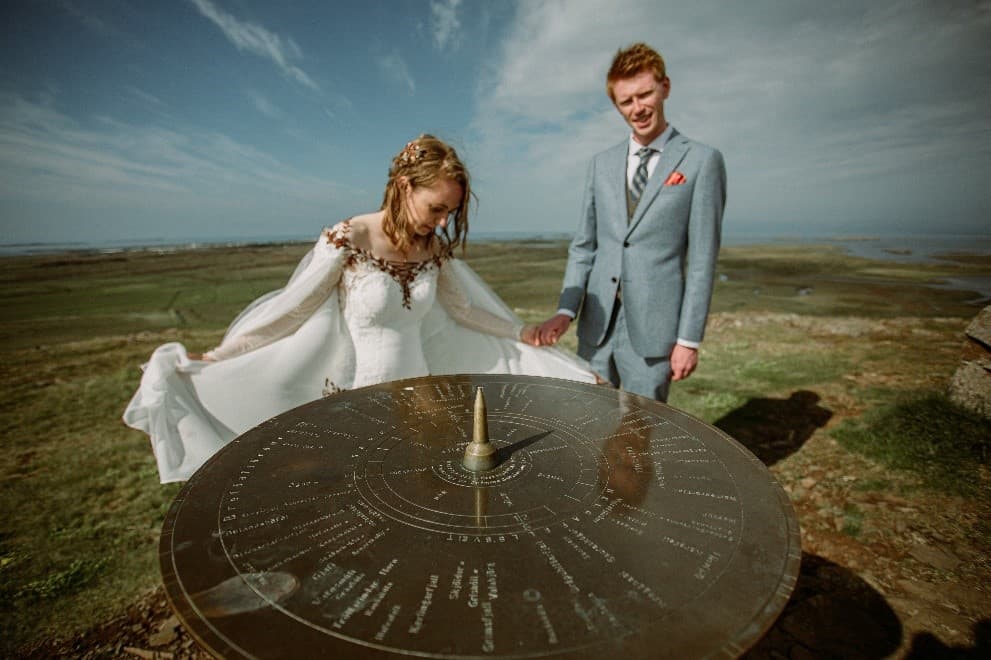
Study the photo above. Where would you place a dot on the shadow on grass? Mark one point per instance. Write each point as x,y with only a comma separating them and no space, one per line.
926,433
832,613
773,429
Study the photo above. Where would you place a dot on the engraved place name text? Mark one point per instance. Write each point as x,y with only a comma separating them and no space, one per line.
558,567
421,612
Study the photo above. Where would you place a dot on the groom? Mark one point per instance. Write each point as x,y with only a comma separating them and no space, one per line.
641,265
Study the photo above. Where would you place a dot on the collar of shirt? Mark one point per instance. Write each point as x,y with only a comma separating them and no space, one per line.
633,160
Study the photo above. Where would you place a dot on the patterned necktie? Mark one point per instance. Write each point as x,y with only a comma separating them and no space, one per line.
640,176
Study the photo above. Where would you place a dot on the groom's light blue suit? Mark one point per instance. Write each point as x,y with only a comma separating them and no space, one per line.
661,261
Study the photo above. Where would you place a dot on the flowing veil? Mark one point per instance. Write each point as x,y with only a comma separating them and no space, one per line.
452,349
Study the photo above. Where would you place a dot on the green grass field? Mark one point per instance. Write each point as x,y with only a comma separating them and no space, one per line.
82,506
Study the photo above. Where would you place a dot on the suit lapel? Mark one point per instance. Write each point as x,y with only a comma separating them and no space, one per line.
674,151
615,169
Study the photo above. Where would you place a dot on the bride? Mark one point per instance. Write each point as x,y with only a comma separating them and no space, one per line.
379,297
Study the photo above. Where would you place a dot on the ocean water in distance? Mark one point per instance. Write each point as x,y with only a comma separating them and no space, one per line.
905,248
173,244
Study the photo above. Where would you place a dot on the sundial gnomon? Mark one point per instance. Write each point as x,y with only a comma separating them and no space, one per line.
609,523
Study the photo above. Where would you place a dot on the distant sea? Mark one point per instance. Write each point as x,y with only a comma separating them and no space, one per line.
173,244
905,248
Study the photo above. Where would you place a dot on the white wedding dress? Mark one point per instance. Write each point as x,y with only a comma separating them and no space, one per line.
346,319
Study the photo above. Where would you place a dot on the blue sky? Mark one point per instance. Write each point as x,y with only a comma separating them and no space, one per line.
248,118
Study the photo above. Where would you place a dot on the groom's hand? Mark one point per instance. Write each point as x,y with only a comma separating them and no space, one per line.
552,329
683,361
530,334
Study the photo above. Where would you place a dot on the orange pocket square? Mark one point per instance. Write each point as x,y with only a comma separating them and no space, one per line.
676,178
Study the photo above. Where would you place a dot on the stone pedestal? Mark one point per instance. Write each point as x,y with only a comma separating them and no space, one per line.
971,384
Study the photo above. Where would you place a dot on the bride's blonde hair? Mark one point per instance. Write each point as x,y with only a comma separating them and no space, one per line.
422,162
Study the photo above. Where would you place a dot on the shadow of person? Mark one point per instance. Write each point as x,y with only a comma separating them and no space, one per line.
927,645
832,613
773,429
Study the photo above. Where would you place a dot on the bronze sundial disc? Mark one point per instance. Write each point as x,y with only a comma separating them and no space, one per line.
609,526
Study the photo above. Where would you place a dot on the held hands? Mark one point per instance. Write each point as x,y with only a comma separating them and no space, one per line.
530,335
552,329
547,333
683,361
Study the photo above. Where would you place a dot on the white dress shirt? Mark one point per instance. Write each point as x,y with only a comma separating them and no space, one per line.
633,160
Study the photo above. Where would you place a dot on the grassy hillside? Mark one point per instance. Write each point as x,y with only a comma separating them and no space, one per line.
82,506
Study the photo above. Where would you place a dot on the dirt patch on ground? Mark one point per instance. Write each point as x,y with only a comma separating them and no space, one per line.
882,574
148,629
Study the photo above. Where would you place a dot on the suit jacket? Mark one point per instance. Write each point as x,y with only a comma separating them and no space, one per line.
664,258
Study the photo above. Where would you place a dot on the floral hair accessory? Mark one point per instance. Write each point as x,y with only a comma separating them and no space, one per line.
411,153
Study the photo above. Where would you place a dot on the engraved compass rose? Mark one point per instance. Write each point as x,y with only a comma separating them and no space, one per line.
481,516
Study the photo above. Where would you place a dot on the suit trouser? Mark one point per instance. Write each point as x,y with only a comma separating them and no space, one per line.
616,361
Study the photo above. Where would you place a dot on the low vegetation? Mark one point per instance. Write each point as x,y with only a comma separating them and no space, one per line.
927,434
796,334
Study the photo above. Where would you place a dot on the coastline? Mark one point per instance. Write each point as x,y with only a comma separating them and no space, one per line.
903,248
949,252
169,245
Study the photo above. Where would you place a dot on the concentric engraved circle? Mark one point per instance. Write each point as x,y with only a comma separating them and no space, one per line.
392,477
515,466
612,524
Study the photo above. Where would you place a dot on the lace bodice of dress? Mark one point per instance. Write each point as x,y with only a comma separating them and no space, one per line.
383,304
356,259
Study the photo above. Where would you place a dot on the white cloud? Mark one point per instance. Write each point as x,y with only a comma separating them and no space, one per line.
543,112
258,40
91,21
395,68
263,104
48,159
444,23
861,110
149,99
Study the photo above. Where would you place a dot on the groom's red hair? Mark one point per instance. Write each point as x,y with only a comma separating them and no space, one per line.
633,60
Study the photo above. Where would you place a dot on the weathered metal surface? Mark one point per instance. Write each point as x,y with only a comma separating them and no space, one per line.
611,524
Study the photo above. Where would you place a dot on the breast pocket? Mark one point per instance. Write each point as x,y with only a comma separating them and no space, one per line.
672,200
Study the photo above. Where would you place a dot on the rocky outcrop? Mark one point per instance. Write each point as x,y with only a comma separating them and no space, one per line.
971,384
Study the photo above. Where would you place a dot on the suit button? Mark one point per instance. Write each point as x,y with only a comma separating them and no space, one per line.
614,279
626,244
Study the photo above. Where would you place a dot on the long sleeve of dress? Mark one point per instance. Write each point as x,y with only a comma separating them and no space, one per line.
455,300
282,313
